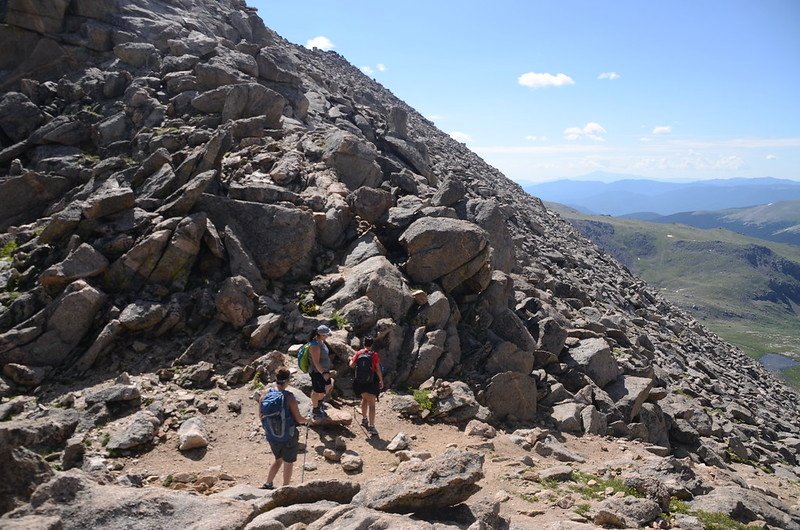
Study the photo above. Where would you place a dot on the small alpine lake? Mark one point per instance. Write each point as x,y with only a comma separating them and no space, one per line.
775,362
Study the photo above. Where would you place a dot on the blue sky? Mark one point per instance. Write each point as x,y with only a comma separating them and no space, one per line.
545,90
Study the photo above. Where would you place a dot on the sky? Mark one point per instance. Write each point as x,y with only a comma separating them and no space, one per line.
670,90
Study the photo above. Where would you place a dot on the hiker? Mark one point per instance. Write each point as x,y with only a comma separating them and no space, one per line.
279,416
320,370
367,382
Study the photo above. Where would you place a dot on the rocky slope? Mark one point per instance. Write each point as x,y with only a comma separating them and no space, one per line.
183,190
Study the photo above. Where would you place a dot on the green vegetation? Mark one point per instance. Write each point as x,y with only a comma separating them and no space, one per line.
599,485
105,439
168,480
88,160
307,305
710,520
339,320
583,509
256,383
8,249
738,287
423,397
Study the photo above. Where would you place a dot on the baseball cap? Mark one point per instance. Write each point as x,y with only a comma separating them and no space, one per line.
323,330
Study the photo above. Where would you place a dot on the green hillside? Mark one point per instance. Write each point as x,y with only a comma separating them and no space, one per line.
747,290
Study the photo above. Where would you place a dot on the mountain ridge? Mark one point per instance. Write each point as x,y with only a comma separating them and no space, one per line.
213,193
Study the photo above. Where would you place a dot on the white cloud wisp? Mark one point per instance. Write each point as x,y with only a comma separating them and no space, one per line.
541,80
591,131
322,42
609,76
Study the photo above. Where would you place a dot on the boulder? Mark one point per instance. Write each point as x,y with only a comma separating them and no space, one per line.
138,431
265,329
450,191
26,196
181,202
278,238
286,516
83,262
629,393
234,301
19,116
252,99
193,434
114,394
438,246
445,480
380,281
138,54
110,198
133,269
142,315
626,512
506,357
357,517
175,264
84,503
512,394
241,262
24,375
593,357
550,447
57,329
567,416
746,505
552,336
353,159
370,204
21,471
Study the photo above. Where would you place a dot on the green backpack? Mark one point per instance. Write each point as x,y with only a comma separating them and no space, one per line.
304,358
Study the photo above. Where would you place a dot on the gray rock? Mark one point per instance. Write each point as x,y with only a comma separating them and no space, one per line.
73,497
142,315
193,434
593,421
512,394
437,247
137,432
252,99
549,446
83,262
626,512
234,301
568,416
416,485
279,238
593,357
370,204
21,471
24,375
629,393
745,505
26,196
175,264
19,116
450,191
138,54
558,473
113,394
353,160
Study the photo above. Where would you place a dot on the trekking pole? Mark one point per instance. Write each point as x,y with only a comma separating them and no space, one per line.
305,452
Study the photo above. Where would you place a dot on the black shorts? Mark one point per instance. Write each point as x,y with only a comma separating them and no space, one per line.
286,451
318,383
369,388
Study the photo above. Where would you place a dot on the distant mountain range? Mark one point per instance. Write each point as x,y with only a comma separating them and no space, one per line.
649,199
778,221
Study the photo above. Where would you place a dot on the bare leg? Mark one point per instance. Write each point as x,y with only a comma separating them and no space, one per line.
329,389
315,397
371,406
287,472
273,469
364,405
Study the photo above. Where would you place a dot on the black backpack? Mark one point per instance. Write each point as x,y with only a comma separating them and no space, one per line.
363,367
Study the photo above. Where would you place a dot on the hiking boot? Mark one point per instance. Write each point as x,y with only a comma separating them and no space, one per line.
372,430
267,486
365,423
318,413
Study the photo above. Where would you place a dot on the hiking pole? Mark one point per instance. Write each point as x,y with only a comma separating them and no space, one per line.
305,452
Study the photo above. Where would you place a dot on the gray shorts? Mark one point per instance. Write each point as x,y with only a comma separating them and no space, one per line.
286,451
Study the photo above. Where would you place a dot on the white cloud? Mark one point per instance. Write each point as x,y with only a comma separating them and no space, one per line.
435,117
662,129
535,80
322,42
533,138
771,157
645,139
729,162
611,76
367,70
381,67
460,137
591,131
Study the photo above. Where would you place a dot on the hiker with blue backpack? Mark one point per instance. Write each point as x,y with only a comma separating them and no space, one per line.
367,382
319,358
280,416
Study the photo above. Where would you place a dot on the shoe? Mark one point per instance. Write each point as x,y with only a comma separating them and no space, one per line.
372,430
365,423
267,486
318,413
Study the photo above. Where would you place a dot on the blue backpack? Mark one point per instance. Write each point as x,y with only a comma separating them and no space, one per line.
276,418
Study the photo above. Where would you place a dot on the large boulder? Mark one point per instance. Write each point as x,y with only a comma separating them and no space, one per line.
26,196
438,246
234,301
48,338
19,116
511,394
626,512
353,159
41,16
380,281
137,431
21,471
252,99
278,237
175,264
83,262
370,204
629,393
79,502
747,505
443,481
593,357
134,267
